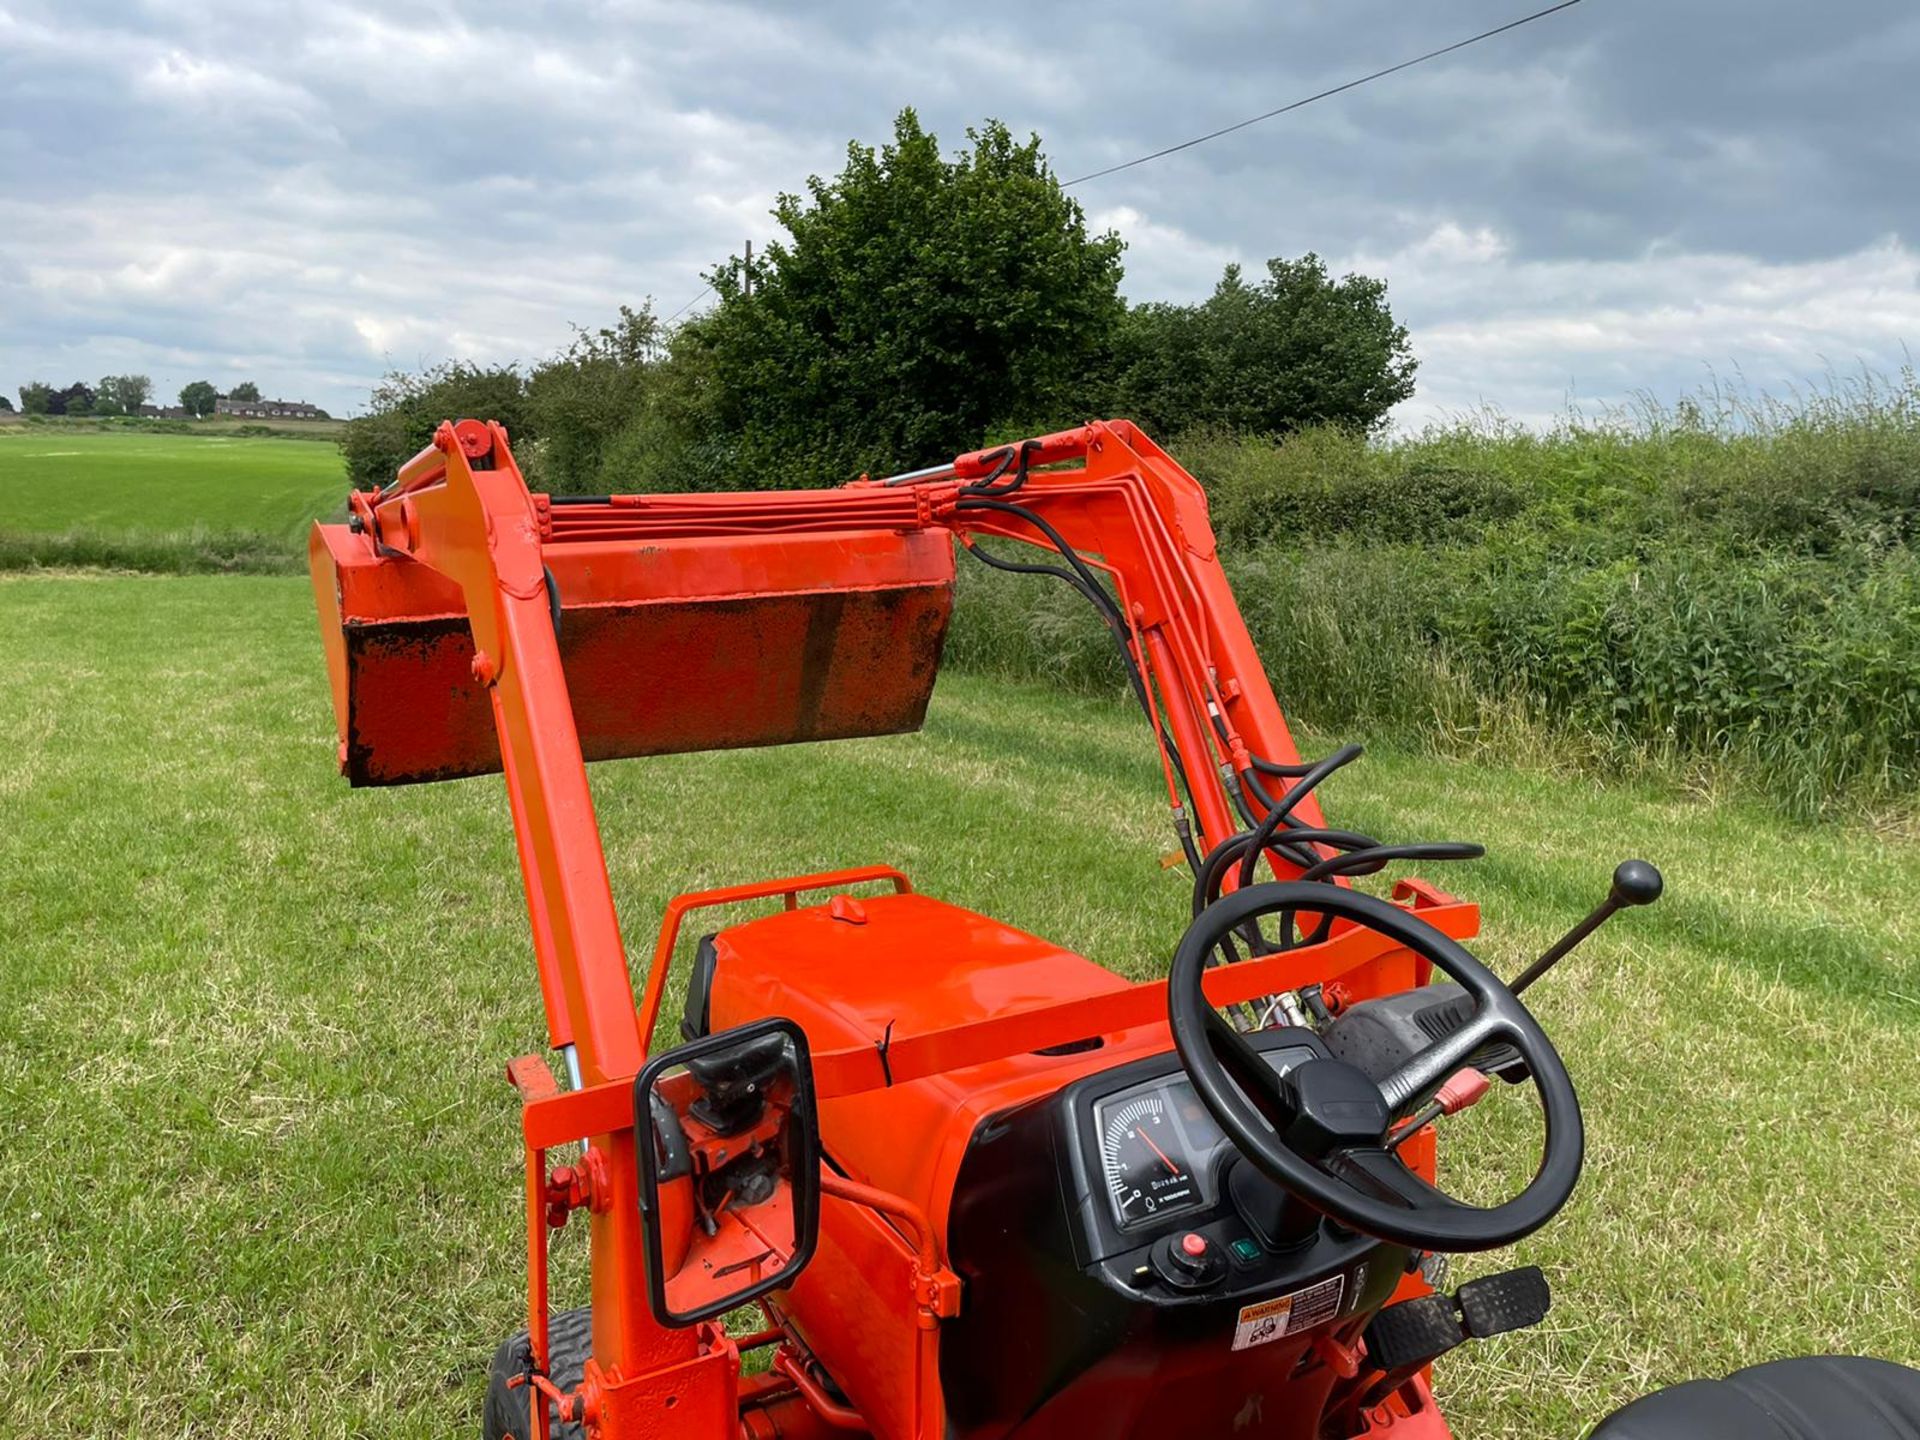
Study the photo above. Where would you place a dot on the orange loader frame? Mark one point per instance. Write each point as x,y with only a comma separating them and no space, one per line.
457,570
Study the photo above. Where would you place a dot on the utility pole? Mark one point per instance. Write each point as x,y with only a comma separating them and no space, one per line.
746,272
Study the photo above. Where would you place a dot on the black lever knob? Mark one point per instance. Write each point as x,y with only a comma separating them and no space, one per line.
1635,882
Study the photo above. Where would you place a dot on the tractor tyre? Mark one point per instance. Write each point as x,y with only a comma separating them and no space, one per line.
570,1340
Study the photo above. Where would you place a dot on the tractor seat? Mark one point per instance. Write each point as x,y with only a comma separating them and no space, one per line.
1827,1397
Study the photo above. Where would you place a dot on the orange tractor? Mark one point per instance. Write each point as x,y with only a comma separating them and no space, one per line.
963,1183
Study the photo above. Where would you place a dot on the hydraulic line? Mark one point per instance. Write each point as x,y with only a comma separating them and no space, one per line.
1277,814
1082,579
1375,859
1271,828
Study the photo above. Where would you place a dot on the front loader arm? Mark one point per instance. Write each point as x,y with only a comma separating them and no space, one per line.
1135,514
853,586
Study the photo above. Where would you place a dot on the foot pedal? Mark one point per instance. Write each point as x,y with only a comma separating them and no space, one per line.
1496,1304
1412,1333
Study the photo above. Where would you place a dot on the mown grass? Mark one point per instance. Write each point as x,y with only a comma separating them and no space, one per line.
260,1175
132,489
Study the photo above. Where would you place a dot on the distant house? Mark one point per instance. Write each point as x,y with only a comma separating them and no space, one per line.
269,409
165,412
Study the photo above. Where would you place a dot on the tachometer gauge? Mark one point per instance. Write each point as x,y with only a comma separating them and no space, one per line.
1144,1160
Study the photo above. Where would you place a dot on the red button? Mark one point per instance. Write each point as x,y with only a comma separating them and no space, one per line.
1194,1245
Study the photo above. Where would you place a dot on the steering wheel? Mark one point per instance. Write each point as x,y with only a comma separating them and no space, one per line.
1320,1130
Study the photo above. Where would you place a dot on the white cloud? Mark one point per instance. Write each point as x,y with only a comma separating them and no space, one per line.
1530,336
1592,206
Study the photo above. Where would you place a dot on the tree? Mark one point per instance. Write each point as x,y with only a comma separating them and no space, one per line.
76,399
405,410
245,390
197,398
1295,348
588,394
917,301
132,391
121,394
35,396
6,405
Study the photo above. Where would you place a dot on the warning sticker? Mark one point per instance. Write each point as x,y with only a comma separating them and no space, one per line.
1288,1314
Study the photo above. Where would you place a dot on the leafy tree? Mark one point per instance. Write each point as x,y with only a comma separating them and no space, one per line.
917,301
245,390
132,391
197,398
76,399
6,405
1293,349
582,399
405,410
35,397
675,440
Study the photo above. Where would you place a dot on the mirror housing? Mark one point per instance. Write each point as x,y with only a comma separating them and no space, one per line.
727,1141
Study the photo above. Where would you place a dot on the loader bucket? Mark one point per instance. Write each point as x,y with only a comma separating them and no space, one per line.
674,645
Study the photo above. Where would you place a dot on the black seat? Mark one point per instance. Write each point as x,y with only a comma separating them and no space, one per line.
1828,1397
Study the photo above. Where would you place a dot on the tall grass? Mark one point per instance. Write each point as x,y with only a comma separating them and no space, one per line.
193,551
1725,588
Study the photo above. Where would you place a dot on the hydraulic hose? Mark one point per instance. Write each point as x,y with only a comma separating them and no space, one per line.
1274,829
1082,579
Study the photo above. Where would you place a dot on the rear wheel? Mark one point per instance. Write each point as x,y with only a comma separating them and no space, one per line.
506,1417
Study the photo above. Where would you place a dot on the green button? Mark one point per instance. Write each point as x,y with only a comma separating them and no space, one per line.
1245,1251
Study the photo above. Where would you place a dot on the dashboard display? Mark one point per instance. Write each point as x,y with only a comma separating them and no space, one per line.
1145,1158
1159,1148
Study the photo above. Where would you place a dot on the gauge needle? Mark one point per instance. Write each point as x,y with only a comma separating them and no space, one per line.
1172,1169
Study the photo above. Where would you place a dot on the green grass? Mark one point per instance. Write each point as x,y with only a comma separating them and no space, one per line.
58,482
260,1170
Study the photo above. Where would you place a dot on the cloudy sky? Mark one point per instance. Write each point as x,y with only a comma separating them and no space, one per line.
1631,195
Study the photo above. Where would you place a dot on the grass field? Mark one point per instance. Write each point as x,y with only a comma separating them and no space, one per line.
55,481
260,1171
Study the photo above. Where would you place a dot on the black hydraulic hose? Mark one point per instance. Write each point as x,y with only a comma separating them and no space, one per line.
1284,772
1250,784
1106,602
985,484
553,599
1275,830
1109,612
1250,857
1213,868
1374,859
985,488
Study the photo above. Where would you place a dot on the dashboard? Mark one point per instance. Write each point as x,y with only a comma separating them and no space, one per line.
1114,1242
1159,1154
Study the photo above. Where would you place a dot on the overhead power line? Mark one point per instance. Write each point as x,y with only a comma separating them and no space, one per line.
706,290
1324,94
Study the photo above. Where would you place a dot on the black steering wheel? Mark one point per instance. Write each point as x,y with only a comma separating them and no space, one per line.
1320,1130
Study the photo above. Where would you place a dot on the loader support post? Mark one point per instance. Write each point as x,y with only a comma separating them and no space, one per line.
478,529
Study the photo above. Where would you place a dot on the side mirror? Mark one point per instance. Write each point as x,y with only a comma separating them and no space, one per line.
728,1145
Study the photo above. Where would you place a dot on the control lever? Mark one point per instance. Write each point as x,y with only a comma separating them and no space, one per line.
1635,882
1463,1090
